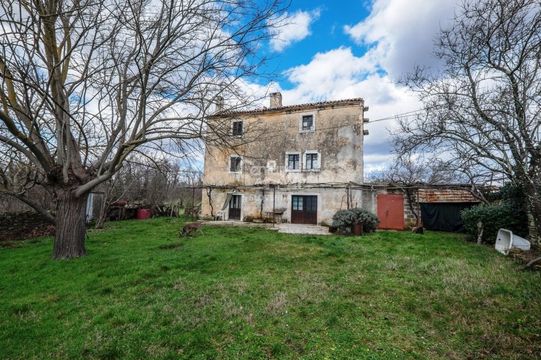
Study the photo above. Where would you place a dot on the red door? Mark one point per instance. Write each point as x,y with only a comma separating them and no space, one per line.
391,211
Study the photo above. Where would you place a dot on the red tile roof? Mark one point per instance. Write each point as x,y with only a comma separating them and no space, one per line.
298,107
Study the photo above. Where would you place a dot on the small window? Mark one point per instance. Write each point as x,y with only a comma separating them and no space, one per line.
311,161
237,128
293,162
307,123
235,163
297,203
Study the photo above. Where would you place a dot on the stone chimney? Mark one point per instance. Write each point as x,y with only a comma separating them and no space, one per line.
219,103
275,100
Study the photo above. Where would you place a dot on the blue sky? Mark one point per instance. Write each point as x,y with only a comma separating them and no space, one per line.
356,48
326,33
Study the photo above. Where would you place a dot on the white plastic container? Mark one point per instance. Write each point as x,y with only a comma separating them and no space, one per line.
506,240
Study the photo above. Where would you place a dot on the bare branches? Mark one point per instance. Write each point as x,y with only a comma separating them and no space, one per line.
85,83
482,113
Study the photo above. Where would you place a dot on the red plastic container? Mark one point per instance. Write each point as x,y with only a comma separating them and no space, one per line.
357,229
143,214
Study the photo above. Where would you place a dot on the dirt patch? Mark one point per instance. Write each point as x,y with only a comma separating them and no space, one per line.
26,225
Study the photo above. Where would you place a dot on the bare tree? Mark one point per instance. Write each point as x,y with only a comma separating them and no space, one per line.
410,171
483,109
414,169
84,83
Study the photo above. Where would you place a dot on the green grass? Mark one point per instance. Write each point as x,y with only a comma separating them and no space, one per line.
246,293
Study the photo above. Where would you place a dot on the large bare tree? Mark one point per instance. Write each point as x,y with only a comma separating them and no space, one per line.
483,109
84,83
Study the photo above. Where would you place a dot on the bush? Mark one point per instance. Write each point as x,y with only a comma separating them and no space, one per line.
493,217
343,220
370,221
507,211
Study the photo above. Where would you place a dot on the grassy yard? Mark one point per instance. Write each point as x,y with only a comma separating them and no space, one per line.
246,293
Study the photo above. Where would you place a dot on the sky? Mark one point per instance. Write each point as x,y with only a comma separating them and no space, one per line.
330,50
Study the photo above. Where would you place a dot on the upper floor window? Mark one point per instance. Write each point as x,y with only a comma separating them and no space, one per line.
307,123
311,161
293,161
235,163
237,128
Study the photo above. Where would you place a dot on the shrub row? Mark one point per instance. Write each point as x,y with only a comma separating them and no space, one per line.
506,211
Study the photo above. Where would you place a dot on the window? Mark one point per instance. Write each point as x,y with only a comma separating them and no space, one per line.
311,161
293,162
307,123
297,203
235,163
237,128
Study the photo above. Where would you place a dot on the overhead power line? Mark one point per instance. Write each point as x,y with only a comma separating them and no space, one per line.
392,117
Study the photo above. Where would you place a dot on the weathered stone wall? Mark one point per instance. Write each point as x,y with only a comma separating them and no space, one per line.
330,200
24,225
338,137
268,137
257,202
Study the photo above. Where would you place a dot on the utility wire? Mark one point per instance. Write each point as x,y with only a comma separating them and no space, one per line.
392,117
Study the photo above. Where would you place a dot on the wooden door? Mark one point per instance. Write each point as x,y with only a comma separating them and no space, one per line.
234,207
391,211
304,209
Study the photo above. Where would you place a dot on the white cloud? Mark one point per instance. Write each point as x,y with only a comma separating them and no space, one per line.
402,32
339,74
399,34
290,28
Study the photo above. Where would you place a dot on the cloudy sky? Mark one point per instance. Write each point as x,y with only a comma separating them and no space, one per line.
357,48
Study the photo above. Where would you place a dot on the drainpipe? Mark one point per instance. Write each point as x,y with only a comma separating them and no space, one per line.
273,204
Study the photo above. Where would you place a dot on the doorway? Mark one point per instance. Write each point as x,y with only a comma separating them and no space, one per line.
304,209
391,211
234,207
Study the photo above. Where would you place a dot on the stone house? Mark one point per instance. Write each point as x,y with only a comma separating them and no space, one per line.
299,163
302,163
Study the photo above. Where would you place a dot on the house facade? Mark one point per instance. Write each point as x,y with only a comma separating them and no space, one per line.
300,163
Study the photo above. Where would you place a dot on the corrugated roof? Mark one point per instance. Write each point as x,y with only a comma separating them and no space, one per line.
353,101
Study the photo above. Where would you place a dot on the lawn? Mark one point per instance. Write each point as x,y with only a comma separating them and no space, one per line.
248,293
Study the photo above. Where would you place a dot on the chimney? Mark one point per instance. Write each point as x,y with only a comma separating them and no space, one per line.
219,103
275,100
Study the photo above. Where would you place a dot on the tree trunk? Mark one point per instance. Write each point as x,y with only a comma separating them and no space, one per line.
102,216
70,234
533,211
